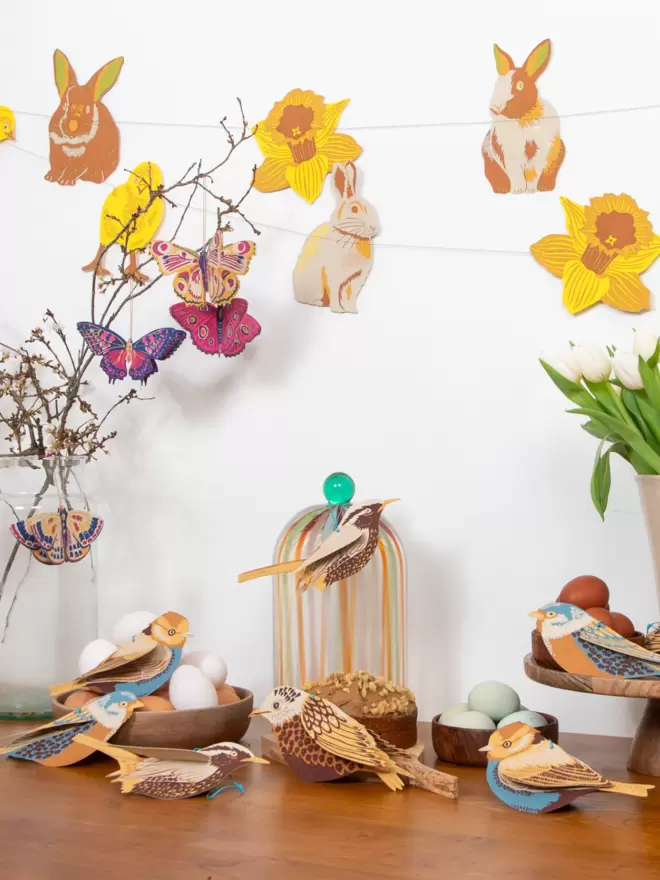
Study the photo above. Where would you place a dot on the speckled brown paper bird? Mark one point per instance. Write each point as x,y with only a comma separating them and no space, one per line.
141,665
322,743
173,774
344,552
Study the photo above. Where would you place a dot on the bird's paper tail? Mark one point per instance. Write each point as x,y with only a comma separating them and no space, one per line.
279,568
304,584
57,690
431,780
128,762
632,788
391,780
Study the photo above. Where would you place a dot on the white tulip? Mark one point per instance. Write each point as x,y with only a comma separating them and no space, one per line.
564,363
645,343
626,369
592,362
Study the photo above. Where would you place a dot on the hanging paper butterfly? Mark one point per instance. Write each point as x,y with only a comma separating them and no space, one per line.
137,358
223,330
210,275
54,538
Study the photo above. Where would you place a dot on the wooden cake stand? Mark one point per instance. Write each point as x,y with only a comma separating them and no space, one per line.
644,755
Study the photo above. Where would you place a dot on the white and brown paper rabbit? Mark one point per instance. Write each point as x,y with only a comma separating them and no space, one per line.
522,150
84,138
336,258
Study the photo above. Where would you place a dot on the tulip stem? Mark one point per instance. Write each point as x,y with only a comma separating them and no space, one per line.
621,407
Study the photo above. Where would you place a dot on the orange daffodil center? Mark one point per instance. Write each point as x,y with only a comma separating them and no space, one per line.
610,242
300,145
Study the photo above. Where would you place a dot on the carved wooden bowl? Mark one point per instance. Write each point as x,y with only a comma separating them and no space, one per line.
181,729
460,745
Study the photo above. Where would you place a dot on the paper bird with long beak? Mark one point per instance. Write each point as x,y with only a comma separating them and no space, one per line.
342,554
583,645
173,774
56,744
530,773
141,665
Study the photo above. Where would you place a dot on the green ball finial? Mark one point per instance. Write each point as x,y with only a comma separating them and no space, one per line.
338,488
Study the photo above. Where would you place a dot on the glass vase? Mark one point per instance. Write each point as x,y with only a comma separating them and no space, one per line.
357,623
47,612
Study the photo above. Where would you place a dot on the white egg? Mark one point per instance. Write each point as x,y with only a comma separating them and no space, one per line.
94,653
130,625
211,665
191,689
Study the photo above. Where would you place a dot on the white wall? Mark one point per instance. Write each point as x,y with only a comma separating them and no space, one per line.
433,392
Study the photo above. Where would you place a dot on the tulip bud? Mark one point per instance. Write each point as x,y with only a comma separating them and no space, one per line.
645,343
592,362
626,369
563,363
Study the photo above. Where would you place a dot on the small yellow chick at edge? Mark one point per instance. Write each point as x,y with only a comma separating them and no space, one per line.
7,125
123,202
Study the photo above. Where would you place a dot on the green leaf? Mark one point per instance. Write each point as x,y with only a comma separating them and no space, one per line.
595,430
601,480
632,401
603,394
655,357
625,432
651,417
572,390
640,465
651,381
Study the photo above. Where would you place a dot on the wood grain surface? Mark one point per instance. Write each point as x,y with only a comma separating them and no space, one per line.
59,824
611,687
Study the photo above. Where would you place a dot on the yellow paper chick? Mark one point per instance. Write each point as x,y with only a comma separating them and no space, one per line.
120,206
7,125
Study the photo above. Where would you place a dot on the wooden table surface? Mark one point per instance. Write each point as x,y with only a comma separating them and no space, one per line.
68,823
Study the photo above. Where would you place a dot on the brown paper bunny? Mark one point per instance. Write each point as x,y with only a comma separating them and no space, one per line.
84,138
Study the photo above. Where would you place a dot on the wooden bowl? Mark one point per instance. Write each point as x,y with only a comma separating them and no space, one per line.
543,657
460,745
400,730
187,729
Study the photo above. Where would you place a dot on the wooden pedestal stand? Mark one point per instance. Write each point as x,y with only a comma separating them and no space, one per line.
644,755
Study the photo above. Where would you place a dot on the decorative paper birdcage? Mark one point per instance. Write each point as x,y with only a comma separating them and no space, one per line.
356,623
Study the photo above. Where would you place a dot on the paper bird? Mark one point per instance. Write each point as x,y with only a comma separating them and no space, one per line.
140,666
320,742
172,774
54,538
125,202
344,552
7,124
56,744
530,773
585,646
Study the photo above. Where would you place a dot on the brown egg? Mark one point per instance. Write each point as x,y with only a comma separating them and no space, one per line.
80,698
586,592
226,694
622,624
603,615
153,703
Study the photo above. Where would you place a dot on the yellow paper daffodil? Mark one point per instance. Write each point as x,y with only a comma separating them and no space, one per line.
300,145
610,242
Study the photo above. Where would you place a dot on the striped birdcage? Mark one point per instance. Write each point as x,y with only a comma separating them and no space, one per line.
356,623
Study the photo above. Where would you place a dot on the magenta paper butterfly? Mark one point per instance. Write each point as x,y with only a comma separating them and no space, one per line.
224,330
210,275
137,358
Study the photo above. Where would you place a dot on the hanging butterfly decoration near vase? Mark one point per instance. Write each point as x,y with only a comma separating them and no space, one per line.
207,282
54,538
138,359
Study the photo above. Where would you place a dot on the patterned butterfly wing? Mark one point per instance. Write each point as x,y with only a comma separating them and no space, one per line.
236,256
159,344
82,529
114,365
203,324
230,261
47,530
238,328
24,535
189,286
171,258
109,345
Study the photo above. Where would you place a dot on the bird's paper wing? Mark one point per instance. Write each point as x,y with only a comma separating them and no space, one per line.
347,541
547,766
182,771
138,647
73,719
598,634
147,665
164,754
341,735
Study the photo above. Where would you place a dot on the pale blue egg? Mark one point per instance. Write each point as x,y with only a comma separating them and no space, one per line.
457,709
526,716
475,720
494,698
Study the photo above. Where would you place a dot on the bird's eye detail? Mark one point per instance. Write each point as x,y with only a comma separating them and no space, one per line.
355,209
171,632
276,705
551,614
520,85
5,127
234,754
507,744
123,704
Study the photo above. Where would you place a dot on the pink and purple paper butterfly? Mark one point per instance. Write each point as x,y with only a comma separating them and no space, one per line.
222,330
138,359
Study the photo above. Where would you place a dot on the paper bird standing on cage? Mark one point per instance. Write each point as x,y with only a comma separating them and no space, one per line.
125,202
320,742
141,665
173,774
56,745
344,552
530,773
583,645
